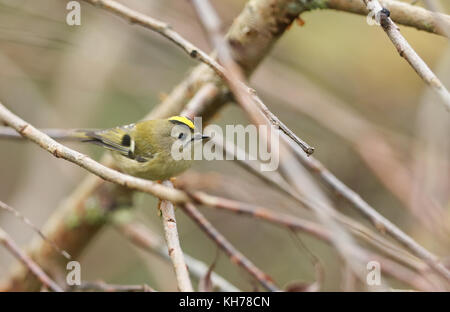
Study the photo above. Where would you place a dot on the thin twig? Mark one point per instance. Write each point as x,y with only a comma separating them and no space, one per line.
380,222
35,228
235,256
278,124
407,52
7,241
401,12
173,243
142,237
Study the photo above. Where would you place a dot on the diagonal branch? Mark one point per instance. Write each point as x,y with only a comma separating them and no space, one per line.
27,221
407,52
7,241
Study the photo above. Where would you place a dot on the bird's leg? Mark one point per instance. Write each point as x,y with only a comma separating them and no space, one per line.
159,201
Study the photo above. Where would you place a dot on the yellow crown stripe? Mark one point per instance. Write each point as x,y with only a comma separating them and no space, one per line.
183,120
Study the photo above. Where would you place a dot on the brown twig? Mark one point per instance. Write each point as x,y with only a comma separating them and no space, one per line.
235,256
35,228
9,244
380,222
173,243
407,52
311,228
141,236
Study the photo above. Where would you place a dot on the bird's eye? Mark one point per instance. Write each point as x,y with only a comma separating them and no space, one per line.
181,135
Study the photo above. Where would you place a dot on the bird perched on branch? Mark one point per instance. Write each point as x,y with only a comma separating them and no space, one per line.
145,149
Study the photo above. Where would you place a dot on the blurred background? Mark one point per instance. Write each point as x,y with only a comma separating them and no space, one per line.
334,80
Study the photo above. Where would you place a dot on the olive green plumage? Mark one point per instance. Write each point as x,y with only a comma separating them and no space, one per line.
144,149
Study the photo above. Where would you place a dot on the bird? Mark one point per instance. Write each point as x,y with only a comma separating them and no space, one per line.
145,149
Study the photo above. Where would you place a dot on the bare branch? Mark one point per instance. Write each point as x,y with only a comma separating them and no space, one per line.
173,243
380,222
35,228
7,241
235,256
407,52
401,12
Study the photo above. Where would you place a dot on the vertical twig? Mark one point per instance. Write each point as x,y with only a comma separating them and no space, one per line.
173,243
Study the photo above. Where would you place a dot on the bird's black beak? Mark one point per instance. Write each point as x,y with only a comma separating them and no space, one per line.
199,137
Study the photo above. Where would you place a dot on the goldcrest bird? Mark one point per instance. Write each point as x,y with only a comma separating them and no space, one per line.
144,149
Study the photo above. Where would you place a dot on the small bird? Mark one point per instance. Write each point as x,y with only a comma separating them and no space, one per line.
144,149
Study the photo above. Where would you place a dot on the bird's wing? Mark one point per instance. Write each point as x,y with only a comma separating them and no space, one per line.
117,139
